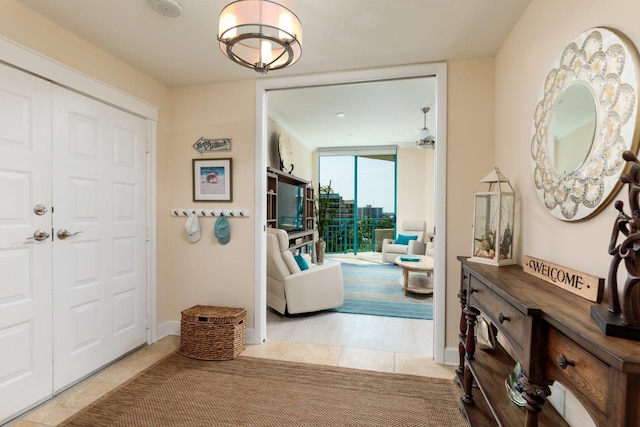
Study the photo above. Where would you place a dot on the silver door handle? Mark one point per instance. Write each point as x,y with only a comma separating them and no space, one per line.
39,235
64,234
40,209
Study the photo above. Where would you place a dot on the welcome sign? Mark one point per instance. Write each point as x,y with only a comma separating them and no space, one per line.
579,283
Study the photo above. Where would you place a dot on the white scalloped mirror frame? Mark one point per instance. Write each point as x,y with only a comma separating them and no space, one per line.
606,62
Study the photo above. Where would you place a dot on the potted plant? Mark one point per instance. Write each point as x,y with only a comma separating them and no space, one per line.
325,212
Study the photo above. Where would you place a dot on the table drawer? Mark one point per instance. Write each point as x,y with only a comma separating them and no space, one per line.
501,313
572,365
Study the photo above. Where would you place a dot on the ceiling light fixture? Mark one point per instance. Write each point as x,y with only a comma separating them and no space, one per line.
260,34
425,139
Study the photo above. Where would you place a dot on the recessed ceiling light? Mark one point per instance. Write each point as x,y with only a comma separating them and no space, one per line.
340,115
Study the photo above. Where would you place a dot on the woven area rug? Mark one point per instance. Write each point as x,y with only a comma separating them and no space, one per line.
376,290
179,391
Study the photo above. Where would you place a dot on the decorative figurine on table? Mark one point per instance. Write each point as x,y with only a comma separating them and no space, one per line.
624,320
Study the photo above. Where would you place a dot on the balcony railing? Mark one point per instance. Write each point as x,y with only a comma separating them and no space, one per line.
345,236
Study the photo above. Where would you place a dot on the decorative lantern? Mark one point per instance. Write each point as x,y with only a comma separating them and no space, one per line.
493,220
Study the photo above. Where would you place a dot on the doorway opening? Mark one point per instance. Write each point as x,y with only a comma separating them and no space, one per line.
437,71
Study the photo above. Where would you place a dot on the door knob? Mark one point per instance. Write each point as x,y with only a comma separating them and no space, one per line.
64,234
39,235
40,209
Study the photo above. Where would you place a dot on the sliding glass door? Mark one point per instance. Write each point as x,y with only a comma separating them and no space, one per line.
363,199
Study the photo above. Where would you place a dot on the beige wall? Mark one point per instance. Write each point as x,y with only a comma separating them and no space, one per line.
521,67
302,156
415,195
207,272
470,155
29,29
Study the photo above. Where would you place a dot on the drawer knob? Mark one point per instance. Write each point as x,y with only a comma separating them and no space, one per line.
563,362
502,318
472,290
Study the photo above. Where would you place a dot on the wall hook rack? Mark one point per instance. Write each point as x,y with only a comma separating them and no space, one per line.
230,213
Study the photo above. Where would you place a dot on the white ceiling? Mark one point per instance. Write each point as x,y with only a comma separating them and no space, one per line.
338,35
375,113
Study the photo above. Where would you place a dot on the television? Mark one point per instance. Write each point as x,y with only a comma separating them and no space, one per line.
290,206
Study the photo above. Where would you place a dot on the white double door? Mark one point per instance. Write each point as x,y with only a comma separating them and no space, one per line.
73,237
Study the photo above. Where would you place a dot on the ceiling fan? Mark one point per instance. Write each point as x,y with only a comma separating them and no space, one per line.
424,140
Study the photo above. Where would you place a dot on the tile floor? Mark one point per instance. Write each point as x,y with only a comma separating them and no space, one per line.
336,339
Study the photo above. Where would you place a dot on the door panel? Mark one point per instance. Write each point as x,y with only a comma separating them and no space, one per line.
70,304
25,264
99,192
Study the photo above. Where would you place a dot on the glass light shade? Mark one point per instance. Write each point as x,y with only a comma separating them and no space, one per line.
245,26
493,221
424,133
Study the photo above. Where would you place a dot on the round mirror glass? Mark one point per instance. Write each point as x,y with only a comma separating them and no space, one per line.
572,129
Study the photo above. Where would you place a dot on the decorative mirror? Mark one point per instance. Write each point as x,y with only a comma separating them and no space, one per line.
586,117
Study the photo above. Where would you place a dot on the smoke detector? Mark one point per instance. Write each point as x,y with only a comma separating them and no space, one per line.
168,8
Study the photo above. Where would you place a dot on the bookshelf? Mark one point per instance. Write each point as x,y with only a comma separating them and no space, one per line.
298,239
309,207
272,200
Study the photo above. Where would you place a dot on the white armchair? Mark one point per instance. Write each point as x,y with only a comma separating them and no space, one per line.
391,248
291,290
431,249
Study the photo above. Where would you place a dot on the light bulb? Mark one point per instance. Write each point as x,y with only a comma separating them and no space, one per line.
228,22
265,51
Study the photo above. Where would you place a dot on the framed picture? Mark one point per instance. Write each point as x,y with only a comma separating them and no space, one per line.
212,180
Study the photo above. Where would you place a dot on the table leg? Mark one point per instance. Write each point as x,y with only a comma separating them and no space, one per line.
405,273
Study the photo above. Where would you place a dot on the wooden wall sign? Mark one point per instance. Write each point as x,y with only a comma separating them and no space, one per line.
579,283
205,145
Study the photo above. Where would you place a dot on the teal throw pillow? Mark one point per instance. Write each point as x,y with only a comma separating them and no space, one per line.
302,263
404,240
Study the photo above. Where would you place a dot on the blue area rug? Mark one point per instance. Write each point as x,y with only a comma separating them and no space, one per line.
376,290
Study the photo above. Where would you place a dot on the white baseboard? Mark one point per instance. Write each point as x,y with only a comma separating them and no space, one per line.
172,327
451,356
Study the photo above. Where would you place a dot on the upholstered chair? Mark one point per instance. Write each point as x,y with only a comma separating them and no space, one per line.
293,290
431,249
409,241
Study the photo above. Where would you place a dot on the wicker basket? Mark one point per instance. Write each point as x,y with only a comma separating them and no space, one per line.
213,333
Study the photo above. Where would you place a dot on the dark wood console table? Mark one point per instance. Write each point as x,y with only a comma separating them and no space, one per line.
550,331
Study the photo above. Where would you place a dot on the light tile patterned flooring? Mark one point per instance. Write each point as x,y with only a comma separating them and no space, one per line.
336,339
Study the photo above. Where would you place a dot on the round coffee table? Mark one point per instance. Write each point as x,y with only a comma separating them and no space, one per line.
417,283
